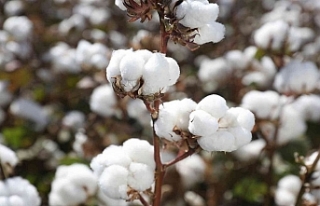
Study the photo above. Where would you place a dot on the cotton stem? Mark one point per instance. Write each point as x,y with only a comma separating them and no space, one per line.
307,179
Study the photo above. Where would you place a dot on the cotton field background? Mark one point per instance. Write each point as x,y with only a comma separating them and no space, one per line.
232,118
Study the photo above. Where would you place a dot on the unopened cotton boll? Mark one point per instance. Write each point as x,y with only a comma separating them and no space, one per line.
103,100
18,191
297,78
30,110
72,185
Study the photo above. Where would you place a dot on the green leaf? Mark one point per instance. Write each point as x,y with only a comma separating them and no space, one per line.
250,189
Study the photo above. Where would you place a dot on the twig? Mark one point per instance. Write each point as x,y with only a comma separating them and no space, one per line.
143,201
307,179
182,156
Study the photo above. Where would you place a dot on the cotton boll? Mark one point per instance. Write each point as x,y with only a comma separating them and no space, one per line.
20,27
288,189
113,182
308,106
103,100
237,59
211,32
105,200
141,176
113,68
30,110
7,156
298,36
192,170
202,123
271,34
186,106
119,3
297,78
222,140
18,192
74,119
214,105
251,151
244,117
72,185
156,74
139,151
263,104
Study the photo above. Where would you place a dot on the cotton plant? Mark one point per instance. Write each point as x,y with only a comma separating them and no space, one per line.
135,169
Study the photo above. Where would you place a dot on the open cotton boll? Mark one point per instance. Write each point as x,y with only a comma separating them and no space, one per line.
74,119
112,69
18,191
237,59
113,182
297,78
287,190
222,140
214,105
308,106
241,135
106,200
298,36
202,123
141,176
271,34
155,74
244,117
103,100
72,185
131,66
186,106
263,104
20,27
211,32
30,110
7,156
139,151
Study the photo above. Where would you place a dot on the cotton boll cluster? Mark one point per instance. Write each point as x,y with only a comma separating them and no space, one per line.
63,58
297,78
18,191
141,72
72,185
30,110
124,170
278,35
92,55
191,170
208,30
103,101
219,127
287,190
173,118
97,13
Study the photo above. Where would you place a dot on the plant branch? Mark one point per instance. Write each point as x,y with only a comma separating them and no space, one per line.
182,156
307,179
143,201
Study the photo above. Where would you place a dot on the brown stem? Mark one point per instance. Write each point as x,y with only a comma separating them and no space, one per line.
160,170
307,179
143,201
182,156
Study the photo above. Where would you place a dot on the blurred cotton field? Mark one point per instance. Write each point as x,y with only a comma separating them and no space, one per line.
238,82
